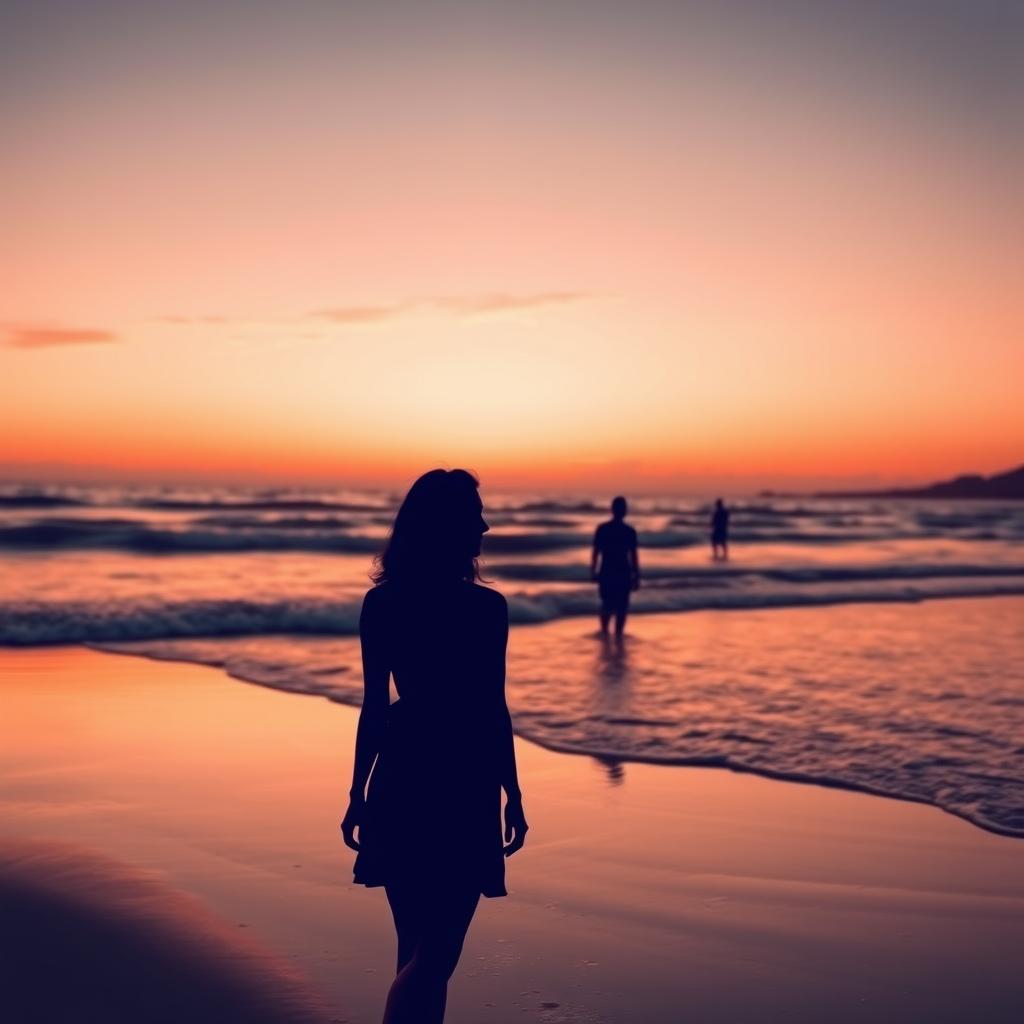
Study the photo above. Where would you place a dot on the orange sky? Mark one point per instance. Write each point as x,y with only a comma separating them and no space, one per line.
653,248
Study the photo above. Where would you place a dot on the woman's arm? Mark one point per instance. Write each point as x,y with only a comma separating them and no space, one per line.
515,820
373,715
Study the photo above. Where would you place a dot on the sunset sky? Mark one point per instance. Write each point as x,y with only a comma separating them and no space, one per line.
662,244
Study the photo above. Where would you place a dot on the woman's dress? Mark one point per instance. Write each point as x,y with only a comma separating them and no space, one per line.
433,809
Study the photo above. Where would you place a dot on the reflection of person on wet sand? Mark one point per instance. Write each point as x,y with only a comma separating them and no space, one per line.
615,565
720,531
429,827
612,696
612,663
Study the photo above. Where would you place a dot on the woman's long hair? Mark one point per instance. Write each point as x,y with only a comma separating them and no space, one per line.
436,532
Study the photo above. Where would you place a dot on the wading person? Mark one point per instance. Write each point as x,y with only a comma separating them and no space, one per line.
719,531
615,566
425,810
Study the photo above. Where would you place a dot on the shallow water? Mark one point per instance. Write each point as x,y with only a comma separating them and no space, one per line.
922,702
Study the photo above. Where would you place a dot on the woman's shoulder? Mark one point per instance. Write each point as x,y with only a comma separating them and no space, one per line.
488,598
376,597
382,594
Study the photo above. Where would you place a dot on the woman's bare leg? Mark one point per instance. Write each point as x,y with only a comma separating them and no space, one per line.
407,915
431,930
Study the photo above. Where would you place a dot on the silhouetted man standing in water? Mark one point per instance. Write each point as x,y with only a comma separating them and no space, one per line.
619,573
720,531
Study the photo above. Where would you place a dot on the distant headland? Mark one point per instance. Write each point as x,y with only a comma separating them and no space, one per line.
1008,486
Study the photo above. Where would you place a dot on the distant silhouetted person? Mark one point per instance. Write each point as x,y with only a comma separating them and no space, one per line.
720,531
615,565
429,826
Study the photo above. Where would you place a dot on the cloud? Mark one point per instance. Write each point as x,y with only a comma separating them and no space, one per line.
369,313
500,302
365,314
460,305
45,337
186,320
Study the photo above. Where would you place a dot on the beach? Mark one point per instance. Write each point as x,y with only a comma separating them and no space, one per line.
646,893
677,343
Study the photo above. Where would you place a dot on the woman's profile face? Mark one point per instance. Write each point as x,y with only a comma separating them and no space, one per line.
478,526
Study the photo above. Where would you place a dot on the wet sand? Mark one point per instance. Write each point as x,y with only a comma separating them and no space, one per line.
645,894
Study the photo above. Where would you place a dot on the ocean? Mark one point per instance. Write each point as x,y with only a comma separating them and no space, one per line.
819,651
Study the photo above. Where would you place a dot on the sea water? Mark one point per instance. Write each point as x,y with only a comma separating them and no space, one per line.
819,651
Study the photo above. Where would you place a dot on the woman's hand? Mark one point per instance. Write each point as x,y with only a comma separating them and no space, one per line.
352,820
515,825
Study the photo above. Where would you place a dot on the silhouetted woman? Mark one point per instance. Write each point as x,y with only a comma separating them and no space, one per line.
429,828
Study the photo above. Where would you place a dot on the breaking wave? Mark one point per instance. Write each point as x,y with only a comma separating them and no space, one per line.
34,621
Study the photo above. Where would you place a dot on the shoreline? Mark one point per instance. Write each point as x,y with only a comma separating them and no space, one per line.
710,763
612,685
732,895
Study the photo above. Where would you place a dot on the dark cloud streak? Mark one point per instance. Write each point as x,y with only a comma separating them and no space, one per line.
47,337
